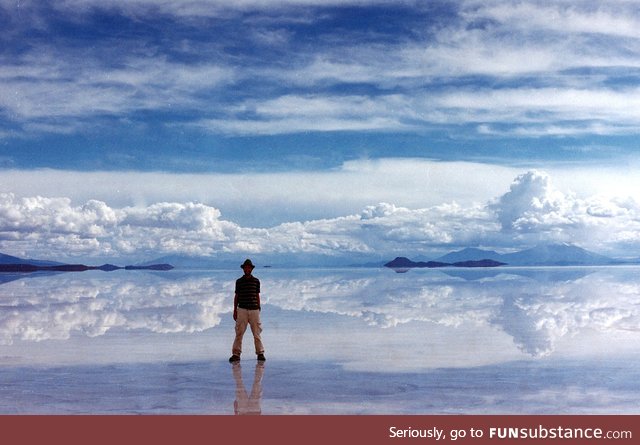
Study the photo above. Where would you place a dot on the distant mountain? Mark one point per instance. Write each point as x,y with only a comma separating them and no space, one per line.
478,263
10,263
163,266
541,255
469,254
280,261
192,262
406,263
563,254
372,264
8,259
109,267
556,255
25,268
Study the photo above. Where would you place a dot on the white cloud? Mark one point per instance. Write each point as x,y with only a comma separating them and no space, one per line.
521,43
617,18
39,89
452,205
57,228
235,126
535,208
281,197
206,8
598,111
530,112
290,113
54,215
530,199
502,40
550,101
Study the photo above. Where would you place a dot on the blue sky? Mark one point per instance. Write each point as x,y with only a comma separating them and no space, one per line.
205,123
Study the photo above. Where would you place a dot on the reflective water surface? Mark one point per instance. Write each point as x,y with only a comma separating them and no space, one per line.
339,341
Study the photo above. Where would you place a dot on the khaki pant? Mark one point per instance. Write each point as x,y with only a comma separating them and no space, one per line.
251,318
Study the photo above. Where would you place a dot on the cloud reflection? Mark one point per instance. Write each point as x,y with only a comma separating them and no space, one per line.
54,307
536,308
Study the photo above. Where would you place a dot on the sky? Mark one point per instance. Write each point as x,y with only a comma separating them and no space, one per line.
370,128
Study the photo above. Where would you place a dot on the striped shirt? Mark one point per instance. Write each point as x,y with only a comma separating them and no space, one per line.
248,291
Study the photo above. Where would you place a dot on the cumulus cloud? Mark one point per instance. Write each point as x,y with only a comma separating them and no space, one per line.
532,201
535,207
55,215
281,196
57,228
533,210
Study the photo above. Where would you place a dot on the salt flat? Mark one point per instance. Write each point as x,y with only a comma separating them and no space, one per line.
342,341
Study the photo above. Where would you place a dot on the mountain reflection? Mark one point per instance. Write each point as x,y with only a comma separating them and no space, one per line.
535,308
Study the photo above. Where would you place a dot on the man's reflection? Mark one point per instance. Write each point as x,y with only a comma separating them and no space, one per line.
246,404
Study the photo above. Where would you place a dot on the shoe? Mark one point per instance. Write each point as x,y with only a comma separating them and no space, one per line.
234,358
261,357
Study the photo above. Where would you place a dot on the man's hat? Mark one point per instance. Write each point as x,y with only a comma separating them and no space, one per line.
247,262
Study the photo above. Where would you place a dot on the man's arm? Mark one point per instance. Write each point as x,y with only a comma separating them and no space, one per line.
235,306
258,295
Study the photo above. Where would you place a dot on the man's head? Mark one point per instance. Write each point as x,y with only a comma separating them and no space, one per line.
247,266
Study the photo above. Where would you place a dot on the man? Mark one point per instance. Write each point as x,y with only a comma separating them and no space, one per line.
246,311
